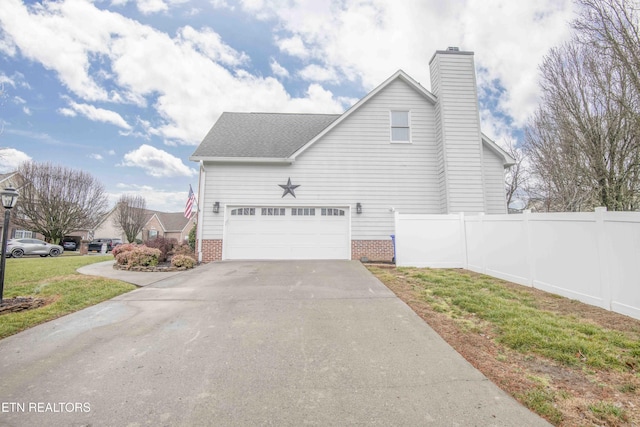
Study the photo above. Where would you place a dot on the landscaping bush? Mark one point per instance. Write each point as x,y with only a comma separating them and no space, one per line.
183,249
163,245
140,256
192,238
123,248
182,261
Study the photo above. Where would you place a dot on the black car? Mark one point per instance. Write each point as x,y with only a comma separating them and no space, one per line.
96,245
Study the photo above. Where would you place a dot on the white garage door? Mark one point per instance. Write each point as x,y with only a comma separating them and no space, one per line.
286,233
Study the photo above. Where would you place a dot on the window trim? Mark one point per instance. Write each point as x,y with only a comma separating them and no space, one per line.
246,211
408,127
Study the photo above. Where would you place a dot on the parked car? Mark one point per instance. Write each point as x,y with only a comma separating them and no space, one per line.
18,247
96,244
69,245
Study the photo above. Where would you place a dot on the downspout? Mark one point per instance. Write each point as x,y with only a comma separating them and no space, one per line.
201,179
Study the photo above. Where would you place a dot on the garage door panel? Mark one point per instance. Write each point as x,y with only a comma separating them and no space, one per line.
302,236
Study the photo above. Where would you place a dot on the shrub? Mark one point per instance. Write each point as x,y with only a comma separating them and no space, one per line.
140,256
192,238
123,248
183,249
162,244
182,261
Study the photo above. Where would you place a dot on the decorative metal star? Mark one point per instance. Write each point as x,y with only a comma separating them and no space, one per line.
288,188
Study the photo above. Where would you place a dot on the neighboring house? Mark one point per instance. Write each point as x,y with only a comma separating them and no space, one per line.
321,186
157,224
170,225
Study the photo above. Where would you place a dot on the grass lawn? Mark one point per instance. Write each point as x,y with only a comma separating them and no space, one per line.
56,281
572,363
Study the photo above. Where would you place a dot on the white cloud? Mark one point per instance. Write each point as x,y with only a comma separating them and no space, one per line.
155,198
10,159
4,79
316,73
95,114
151,6
316,95
156,163
192,81
103,56
42,137
67,112
367,41
26,110
278,69
221,4
95,156
293,46
210,44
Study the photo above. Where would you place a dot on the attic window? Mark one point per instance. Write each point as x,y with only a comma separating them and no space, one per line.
400,131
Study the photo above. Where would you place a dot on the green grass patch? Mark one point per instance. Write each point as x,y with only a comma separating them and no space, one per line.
56,280
519,324
541,400
606,411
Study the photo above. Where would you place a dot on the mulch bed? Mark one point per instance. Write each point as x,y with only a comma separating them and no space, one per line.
13,305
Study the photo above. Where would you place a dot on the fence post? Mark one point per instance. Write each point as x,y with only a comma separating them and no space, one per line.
531,261
463,240
396,222
483,239
603,257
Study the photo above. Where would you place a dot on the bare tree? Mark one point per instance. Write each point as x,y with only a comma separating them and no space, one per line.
583,141
130,215
557,183
517,176
56,200
613,28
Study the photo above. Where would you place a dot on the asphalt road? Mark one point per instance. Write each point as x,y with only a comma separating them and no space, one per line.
243,344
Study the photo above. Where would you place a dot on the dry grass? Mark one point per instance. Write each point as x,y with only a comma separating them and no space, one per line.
574,364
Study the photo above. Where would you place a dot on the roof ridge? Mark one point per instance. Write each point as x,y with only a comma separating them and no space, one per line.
281,114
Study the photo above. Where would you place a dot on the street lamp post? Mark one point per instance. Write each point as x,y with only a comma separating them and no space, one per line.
9,199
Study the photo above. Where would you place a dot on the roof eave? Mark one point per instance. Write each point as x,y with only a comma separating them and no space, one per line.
508,161
214,159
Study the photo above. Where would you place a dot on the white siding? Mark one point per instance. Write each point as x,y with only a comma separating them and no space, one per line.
454,83
355,162
494,189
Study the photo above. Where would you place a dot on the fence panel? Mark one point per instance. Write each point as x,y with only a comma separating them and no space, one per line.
622,247
593,257
430,241
505,247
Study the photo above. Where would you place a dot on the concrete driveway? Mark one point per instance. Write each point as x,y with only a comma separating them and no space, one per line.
247,343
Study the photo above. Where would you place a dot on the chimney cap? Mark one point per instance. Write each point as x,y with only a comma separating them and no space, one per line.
453,49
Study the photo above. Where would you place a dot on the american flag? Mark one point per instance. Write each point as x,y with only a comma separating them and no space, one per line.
191,201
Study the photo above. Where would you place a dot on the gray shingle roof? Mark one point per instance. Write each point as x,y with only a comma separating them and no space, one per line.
269,135
173,221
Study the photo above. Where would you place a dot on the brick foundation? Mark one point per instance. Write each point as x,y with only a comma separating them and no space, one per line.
211,250
374,250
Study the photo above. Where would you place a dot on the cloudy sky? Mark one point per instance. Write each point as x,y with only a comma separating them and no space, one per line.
126,89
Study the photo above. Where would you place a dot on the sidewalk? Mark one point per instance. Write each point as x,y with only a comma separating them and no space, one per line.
138,278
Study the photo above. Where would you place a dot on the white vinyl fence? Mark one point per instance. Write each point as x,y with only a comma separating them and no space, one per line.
593,257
